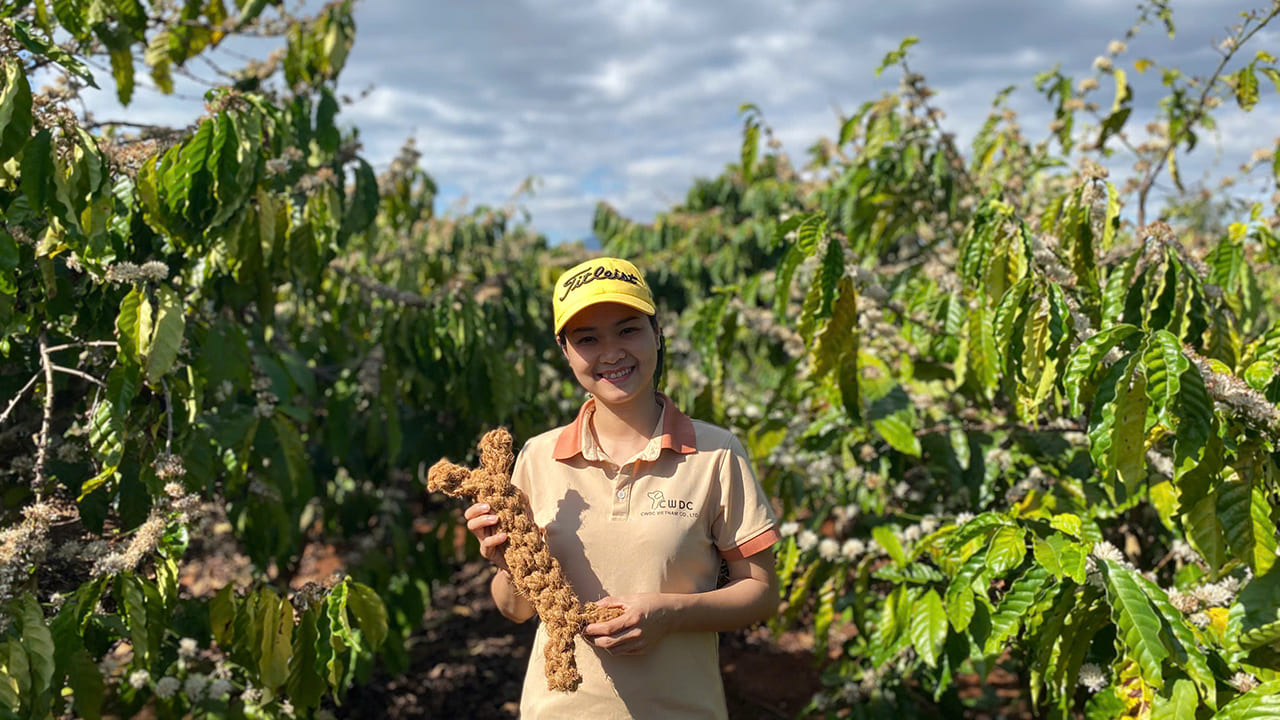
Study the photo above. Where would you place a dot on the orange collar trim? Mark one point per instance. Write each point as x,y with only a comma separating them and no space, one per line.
677,430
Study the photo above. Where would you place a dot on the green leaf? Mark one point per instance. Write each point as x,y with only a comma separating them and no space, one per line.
305,685
135,605
1128,443
1181,704
1086,360
834,341
129,330
1245,516
1165,365
87,686
167,338
37,171
960,598
810,234
1246,83
43,47
15,108
276,620
1259,606
888,539
222,614
889,407
984,358
1260,703
37,641
823,616
1180,640
363,206
750,140
1138,625
928,627
1008,547
1195,424
1061,556
1205,533
1014,606
370,613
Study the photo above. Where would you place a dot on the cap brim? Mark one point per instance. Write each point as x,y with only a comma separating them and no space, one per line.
620,298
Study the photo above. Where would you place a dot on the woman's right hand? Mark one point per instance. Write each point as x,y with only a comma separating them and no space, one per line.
484,526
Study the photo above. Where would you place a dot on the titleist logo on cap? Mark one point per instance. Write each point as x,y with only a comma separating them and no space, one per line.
597,273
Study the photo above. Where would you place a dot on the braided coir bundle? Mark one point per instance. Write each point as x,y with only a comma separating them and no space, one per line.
536,574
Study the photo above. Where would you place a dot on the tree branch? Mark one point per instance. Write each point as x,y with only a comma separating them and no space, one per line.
78,373
46,425
14,402
1236,42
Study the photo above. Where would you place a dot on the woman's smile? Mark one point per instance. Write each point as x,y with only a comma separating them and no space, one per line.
617,375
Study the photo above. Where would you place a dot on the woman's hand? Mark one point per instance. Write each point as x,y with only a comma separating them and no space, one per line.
485,527
645,620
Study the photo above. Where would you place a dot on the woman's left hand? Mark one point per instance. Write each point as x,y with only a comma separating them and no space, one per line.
645,620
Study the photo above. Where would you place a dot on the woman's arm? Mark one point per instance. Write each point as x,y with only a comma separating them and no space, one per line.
750,596
511,604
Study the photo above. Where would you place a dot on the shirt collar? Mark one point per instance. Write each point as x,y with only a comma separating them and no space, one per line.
676,434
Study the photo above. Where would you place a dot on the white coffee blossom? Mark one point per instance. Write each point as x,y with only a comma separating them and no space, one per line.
1183,551
286,707
251,695
1185,604
127,272
1243,681
852,549
187,648
1092,677
807,540
1217,594
138,679
829,549
1102,63
1115,47
1106,551
168,466
167,686
963,518
1200,620
789,528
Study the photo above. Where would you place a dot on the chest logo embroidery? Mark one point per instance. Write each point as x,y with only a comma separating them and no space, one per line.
663,505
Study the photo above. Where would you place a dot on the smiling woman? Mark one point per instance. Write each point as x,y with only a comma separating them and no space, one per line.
639,504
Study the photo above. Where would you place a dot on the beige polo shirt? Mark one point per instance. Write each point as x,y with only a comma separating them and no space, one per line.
659,523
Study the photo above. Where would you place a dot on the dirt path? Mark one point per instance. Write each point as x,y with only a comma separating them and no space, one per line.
468,662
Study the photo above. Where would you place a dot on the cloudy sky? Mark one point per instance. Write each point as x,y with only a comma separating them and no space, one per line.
627,100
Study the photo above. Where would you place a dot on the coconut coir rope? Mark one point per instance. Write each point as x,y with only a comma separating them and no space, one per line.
536,574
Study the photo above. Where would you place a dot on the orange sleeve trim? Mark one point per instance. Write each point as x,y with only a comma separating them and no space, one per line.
762,541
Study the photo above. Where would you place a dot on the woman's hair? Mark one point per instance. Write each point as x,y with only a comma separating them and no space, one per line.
662,349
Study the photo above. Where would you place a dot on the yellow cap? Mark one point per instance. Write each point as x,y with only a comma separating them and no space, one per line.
600,280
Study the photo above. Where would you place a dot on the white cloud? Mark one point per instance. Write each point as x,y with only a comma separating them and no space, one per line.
628,100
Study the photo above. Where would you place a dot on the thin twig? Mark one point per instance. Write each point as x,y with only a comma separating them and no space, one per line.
14,402
79,374
1197,114
88,343
46,425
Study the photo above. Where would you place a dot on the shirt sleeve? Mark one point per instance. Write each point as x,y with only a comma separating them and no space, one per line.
745,523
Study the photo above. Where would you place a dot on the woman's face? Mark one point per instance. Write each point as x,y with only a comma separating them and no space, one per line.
613,351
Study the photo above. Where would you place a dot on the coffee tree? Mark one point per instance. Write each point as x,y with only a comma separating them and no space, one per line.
233,325
1013,425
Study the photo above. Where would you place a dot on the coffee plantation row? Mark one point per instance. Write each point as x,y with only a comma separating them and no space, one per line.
1017,411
